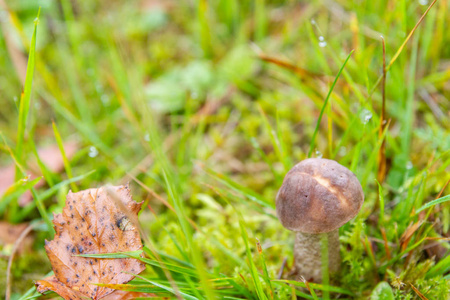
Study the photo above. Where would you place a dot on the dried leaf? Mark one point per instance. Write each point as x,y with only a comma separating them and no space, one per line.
95,221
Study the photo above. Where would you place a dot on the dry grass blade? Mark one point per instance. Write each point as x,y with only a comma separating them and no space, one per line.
287,65
422,296
407,235
386,244
400,49
382,152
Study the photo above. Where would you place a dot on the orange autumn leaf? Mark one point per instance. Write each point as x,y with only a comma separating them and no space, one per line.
94,221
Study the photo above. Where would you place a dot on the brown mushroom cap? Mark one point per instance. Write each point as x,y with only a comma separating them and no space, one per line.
318,195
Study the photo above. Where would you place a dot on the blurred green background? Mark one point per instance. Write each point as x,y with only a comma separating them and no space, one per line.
208,104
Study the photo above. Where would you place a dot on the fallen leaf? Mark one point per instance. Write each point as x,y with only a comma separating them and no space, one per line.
94,221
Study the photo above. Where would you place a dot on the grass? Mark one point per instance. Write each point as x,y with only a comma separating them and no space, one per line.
205,105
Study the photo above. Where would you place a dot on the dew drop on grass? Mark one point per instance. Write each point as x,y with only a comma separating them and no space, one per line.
409,165
322,42
313,21
147,137
93,152
105,99
365,116
25,179
342,151
319,154
3,16
194,95
423,2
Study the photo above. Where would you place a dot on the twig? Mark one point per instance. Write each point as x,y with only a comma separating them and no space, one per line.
11,258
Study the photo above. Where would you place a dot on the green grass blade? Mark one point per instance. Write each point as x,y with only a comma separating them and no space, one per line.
25,99
170,290
17,189
48,193
433,203
313,139
64,156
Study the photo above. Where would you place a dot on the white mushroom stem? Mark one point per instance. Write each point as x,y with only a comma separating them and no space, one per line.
308,258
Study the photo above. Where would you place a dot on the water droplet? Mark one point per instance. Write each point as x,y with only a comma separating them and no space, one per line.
25,179
15,99
409,165
342,151
423,2
319,154
313,21
93,152
321,38
322,44
3,16
365,116
147,137
105,99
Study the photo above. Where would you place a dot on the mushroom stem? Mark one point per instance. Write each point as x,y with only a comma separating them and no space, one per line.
308,258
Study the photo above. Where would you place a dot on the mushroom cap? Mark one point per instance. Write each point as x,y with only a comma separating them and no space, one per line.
318,195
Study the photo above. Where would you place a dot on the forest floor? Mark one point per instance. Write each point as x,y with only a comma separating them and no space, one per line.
203,107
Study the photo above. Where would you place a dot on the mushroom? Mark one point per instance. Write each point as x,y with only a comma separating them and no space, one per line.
316,198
